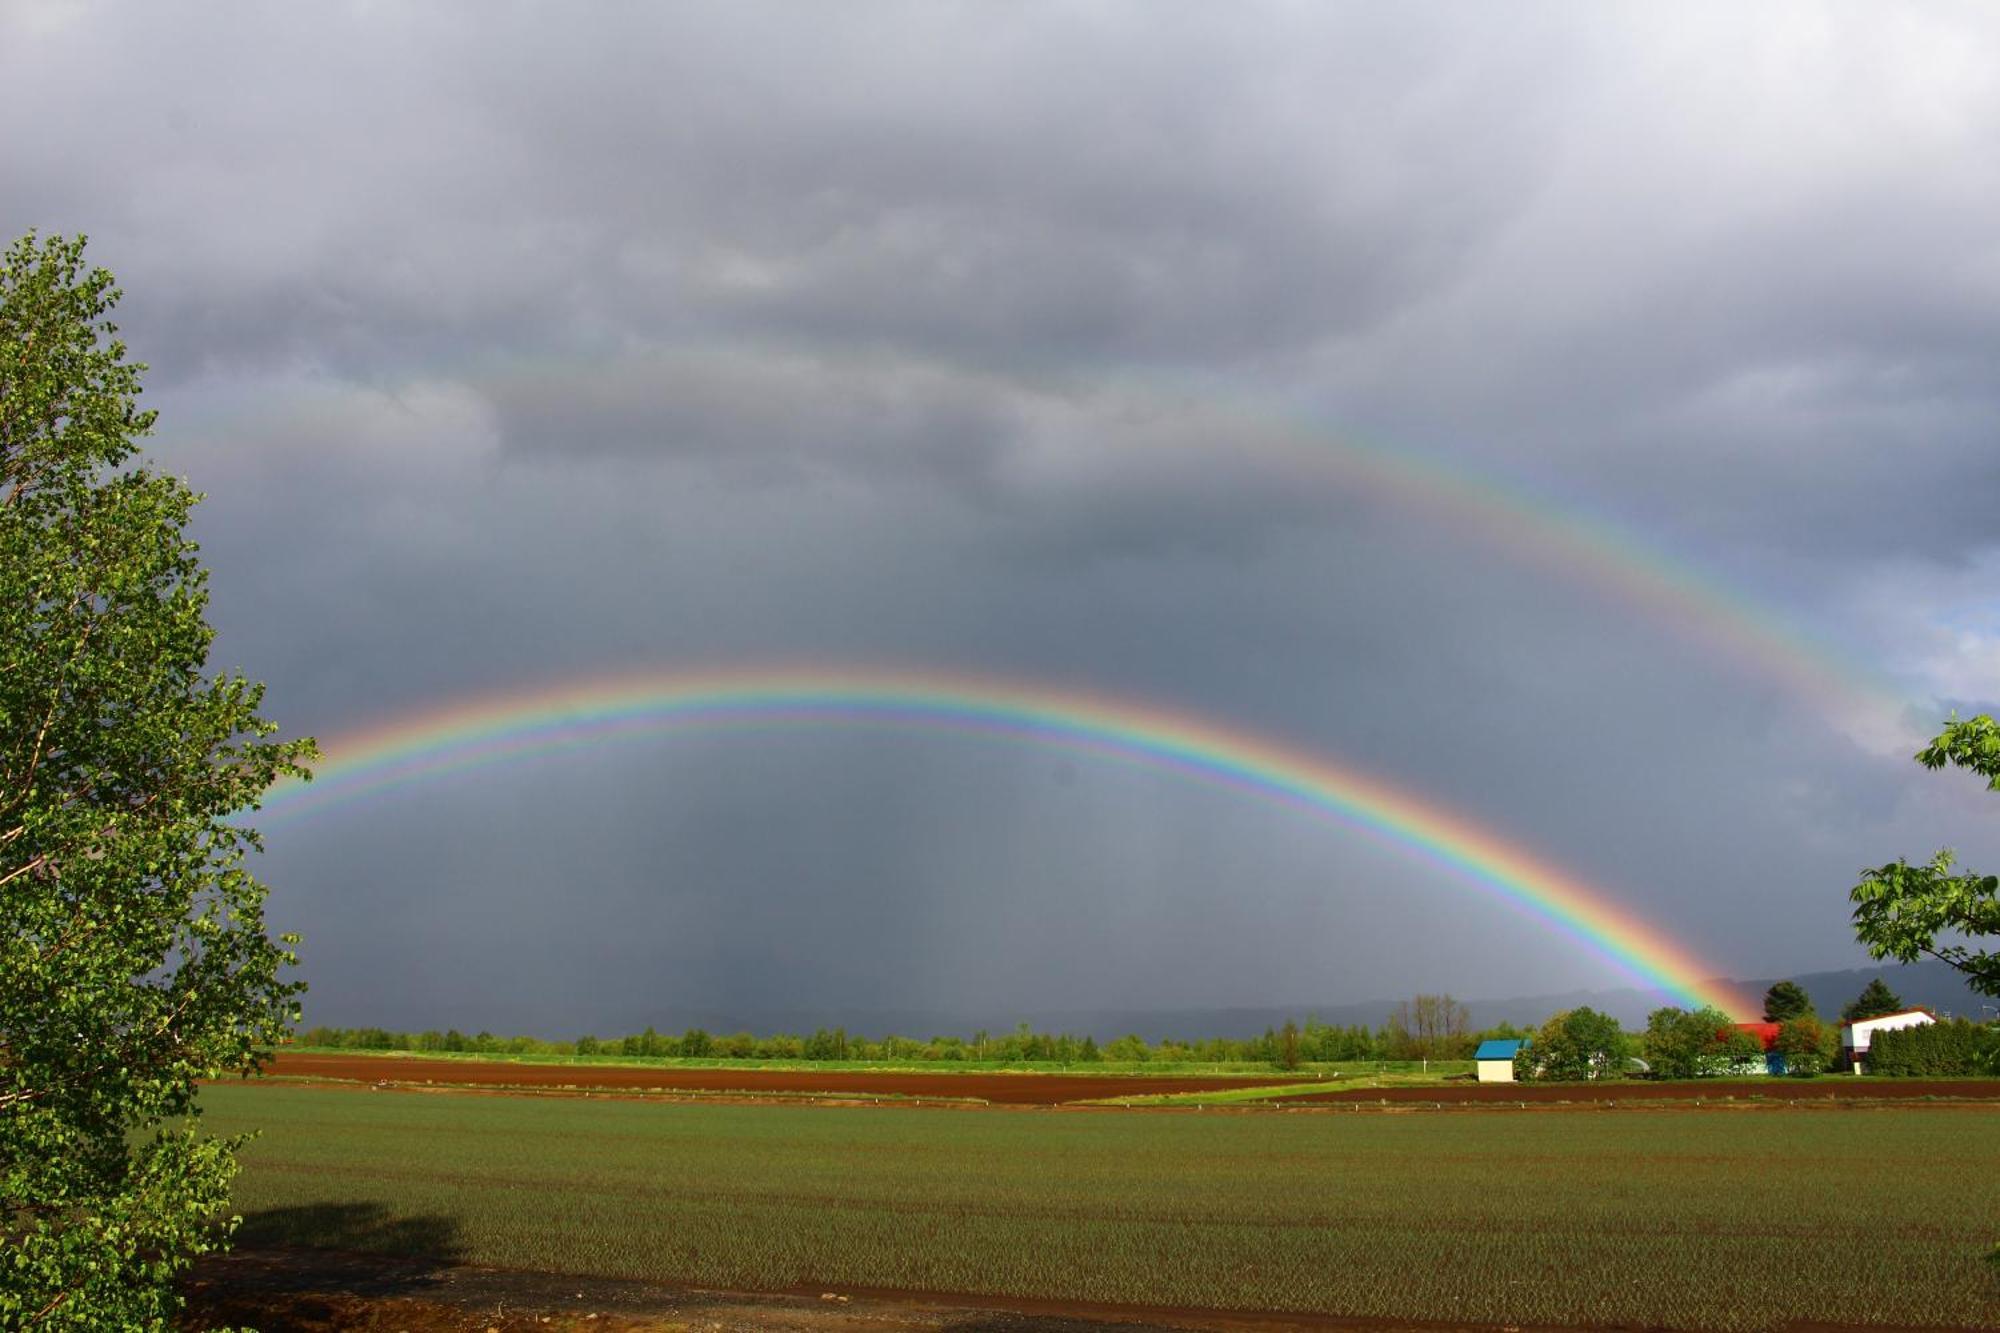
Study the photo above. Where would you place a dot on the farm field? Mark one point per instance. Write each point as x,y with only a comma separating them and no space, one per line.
1037,1089
1055,1089
1639,1217
1832,1088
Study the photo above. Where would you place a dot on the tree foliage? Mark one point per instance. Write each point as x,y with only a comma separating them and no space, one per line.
1312,1042
1785,1001
1903,911
1574,1045
1875,1000
1808,1045
1430,1027
133,953
1696,1043
1933,1050
1288,1046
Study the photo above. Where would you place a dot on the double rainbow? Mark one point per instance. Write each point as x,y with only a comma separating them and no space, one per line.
484,731
1575,542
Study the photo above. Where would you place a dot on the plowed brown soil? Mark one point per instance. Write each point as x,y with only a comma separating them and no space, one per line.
316,1291
1000,1089
1833,1087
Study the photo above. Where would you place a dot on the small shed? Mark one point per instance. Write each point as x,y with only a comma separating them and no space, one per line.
1496,1059
1855,1036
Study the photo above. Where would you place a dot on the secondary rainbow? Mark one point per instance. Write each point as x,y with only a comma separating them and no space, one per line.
479,732
1564,536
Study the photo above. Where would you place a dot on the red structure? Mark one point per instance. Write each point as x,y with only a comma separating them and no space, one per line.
1765,1033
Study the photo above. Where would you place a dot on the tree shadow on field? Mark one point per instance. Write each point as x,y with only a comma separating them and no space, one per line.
366,1227
294,1267
1000,1321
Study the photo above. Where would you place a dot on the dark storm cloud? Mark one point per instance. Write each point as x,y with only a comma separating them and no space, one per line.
1010,190
1018,189
752,408
515,349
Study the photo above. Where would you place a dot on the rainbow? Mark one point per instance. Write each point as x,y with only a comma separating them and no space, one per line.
1584,547
1581,546
479,732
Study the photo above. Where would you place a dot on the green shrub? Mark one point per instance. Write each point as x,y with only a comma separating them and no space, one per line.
1932,1051
1574,1045
1701,1043
1808,1045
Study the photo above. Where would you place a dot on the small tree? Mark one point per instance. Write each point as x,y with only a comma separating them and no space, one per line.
1785,1001
1875,1000
1429,1027
133,956
1574,1045
1288,1045
1697,1043
1807,1044
1128,1049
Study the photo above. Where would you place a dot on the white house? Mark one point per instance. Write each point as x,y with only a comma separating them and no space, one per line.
1496,1060
1855,1036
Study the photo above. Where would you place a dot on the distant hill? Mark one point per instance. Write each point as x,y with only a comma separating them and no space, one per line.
1927,984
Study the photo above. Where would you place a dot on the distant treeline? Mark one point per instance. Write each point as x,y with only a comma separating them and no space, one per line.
1289,1046
1574,1044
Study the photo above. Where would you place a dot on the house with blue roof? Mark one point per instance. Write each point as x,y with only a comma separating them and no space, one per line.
1496,1058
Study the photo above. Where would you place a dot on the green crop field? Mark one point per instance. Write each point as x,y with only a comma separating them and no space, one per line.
1716,1219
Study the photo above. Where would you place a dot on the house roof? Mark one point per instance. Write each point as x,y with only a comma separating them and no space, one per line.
1765,1033
1900,1013
1499,1048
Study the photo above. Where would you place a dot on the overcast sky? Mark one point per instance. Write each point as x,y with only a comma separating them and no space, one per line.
517,345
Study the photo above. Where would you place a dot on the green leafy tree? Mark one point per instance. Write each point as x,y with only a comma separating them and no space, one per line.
1696,1043
1901,910
1128,1049
1808,1045
1785,1001
1574,1045
133,954
1875,1000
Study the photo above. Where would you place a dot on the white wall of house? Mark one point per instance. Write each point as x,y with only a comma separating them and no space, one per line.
1855,1036
1496,1071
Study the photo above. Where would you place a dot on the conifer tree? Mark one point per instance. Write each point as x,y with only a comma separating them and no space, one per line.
1785,1001
1875,1000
